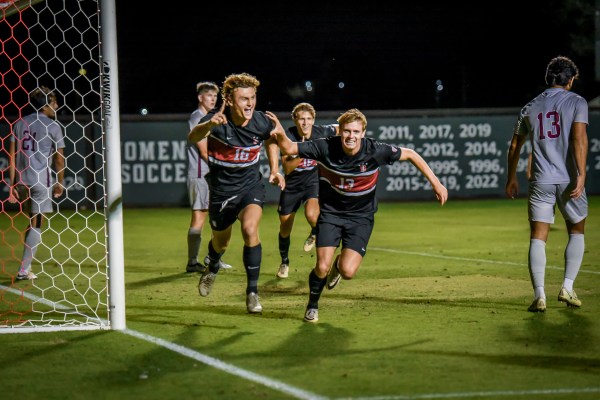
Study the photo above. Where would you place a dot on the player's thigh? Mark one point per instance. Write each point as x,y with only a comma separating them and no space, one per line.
41,201
572,210
541,202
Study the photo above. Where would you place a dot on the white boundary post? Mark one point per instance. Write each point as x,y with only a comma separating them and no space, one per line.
114,192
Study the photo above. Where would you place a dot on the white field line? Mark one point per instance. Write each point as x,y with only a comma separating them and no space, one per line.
302,394
482,260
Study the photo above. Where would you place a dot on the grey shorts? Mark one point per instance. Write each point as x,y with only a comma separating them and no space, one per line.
198,193
543,198
37,198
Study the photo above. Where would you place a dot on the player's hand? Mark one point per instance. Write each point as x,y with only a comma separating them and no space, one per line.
13,195
278,130
58,190
441,193
277,179
219,118
512,188
579,187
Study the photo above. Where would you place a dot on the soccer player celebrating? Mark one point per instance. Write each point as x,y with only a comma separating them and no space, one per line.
348,170
301,183
236,133
556,123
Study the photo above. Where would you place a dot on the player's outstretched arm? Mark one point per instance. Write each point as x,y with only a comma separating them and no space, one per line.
202,130
441,193
287,147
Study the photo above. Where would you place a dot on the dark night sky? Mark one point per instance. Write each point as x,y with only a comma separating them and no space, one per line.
389,57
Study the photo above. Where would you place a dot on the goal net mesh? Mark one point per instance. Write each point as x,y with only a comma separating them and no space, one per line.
55,44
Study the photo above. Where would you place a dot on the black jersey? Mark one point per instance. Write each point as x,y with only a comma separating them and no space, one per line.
347,183
234,152
306,173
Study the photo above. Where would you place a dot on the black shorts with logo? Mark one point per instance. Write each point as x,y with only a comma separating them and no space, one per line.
354,233
223,210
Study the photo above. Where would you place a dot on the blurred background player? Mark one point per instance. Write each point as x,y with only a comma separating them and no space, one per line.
556,123
37,142
349,166
196,182
236,133
301,183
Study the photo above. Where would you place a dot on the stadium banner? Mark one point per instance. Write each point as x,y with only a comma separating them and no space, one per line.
467,152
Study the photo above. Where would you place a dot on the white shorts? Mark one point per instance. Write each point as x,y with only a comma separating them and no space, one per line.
543,197
198,193
38,200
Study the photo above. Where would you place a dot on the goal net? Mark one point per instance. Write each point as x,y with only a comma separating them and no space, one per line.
79,284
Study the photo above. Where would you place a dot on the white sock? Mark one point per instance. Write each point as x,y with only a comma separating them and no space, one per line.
573,257
537,265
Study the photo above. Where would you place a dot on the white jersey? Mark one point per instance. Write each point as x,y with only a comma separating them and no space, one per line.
547,120
37,137
197,167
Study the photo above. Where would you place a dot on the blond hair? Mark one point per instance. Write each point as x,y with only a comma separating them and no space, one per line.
235,81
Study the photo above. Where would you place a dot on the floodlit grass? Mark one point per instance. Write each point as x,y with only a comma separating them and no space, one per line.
437,310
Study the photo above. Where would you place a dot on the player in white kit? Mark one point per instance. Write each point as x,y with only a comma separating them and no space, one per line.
37,142
198,192
556,123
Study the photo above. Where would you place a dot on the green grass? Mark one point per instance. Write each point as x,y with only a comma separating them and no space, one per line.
437,310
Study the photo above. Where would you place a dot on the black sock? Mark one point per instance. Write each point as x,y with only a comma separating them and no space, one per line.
252,260
284,249
213,258
315,286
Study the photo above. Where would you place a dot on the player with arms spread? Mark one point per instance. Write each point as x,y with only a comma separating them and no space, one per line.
236,133
349,167
556,123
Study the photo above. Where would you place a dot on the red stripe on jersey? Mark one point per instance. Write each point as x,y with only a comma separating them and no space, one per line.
226,155
306,165
350,185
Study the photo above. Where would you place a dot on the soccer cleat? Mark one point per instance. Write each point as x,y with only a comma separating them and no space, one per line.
195,268
206,282
222,265
283,271
569,298
311,315
309,243
252,303
334,277
538,305
28,276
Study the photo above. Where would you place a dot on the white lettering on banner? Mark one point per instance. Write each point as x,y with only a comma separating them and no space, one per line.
153,150
154,173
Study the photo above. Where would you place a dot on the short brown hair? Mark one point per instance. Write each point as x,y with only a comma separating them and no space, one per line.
303,107
352,115
202,87
41,97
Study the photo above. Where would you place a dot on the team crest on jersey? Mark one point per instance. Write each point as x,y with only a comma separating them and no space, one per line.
363,167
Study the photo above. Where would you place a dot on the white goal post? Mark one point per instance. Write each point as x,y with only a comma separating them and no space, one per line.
68,46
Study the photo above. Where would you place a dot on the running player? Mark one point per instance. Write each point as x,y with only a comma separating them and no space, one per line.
348,170
301,183
236,133
556,123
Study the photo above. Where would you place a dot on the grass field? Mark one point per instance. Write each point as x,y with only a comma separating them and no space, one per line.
438,310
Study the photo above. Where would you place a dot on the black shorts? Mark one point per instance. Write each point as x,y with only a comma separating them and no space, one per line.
290,201
354,233
223,210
